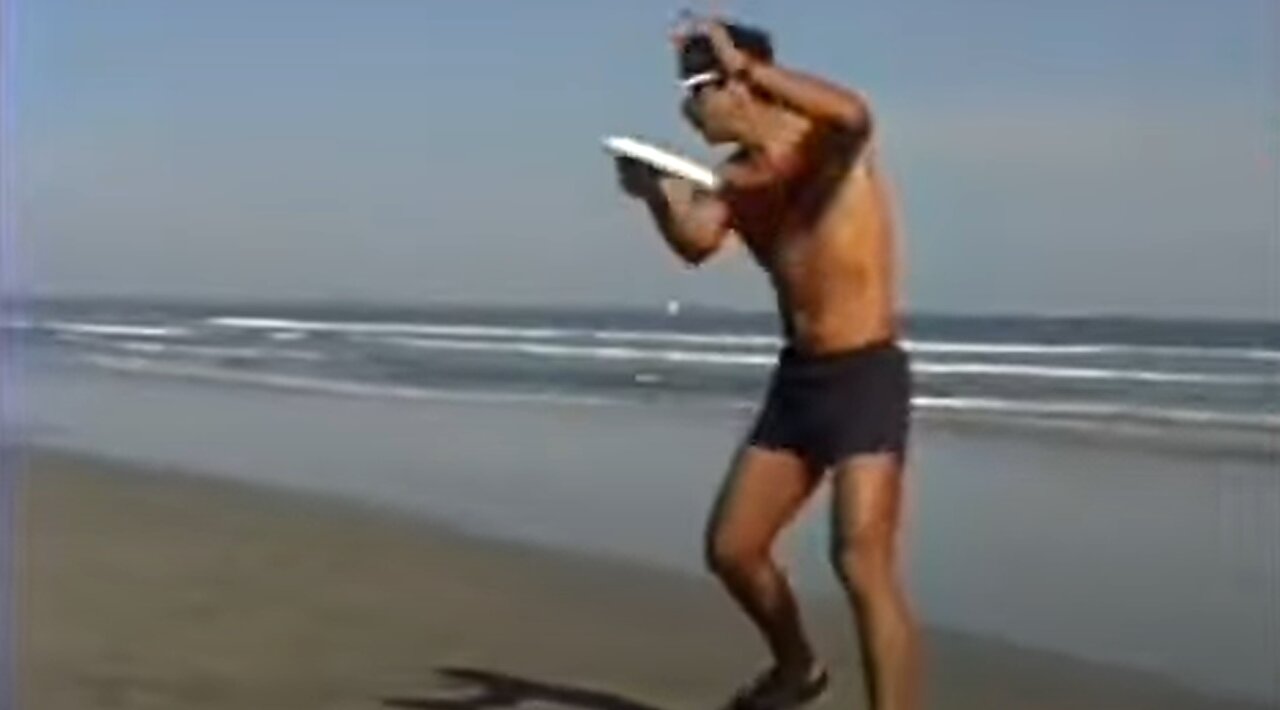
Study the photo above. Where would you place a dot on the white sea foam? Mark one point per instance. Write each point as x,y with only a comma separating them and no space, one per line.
344,388
728,340
588,352
116,329
1099,410
709,357
151,347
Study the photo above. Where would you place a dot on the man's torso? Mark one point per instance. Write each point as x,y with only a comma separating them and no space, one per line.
824,233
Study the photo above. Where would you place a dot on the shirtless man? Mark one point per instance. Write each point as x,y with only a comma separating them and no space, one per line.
804,195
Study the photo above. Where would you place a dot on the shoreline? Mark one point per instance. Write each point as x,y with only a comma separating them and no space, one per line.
162,587
1250,444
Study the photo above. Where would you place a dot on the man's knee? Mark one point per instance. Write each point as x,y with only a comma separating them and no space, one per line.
730,555
863,558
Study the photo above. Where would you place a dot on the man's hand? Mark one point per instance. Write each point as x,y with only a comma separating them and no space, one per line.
683,28
635,178
730,57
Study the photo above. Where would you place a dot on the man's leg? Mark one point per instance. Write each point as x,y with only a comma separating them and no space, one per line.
762,494
868,502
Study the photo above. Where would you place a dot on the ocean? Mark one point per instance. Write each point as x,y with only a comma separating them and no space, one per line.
1104,375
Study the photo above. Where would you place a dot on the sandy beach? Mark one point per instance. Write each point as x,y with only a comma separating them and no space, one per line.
342,367
143,588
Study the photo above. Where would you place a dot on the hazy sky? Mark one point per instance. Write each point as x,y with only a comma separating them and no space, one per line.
1113,156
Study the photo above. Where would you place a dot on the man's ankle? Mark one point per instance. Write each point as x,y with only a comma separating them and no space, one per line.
796,667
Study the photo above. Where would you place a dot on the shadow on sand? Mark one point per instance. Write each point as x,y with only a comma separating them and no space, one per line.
488,689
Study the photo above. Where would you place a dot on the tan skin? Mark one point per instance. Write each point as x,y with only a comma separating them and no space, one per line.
804,195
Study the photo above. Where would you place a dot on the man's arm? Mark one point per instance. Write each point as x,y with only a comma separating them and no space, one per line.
807,94
693,222
810,95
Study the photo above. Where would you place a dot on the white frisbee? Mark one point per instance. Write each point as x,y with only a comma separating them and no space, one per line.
662,160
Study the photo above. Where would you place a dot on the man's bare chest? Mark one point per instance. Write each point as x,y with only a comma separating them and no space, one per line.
791,224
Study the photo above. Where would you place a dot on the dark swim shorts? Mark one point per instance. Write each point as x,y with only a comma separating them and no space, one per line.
828,407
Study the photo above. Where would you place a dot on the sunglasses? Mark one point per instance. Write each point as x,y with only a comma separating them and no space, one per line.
695,84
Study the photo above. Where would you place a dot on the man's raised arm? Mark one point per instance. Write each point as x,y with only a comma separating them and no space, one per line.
817,98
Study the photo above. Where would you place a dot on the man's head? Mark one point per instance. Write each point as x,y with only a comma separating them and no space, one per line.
716,104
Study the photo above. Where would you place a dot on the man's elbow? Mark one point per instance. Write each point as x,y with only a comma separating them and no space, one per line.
853,114
695,255
697,251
